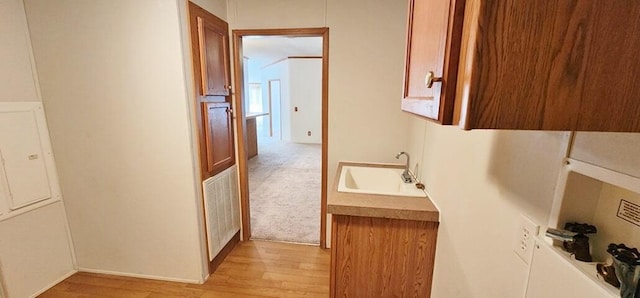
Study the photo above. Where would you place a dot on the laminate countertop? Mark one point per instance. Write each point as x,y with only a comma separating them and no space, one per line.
385,206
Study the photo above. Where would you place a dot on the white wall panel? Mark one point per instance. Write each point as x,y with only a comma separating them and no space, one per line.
34,251
554,275
614,151
305,76
23,158
216,7
113,82
17,80
250,14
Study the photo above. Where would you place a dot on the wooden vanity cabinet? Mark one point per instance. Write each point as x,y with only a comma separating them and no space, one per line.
382,257
536,65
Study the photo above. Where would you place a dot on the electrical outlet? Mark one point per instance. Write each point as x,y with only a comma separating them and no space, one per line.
527,232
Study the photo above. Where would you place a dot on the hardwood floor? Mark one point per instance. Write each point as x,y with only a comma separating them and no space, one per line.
252,269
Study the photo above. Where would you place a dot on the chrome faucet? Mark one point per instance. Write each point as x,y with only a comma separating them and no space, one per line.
406,177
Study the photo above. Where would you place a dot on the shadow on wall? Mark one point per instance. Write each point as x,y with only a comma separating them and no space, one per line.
526,165
462,287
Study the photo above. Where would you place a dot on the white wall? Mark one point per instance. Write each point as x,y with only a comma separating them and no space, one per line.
115,88
254,70
279,71
366,58
482,181
616,151
301,87
216,7
305,84
263,14
35,250
17,79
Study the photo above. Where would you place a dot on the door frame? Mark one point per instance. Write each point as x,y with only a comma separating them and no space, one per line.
242,159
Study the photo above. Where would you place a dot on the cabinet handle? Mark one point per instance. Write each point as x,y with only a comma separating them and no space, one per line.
431,78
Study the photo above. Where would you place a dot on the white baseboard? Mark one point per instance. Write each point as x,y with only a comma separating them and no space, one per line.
163,278
72,272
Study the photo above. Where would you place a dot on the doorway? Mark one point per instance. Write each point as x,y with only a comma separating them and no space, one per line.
276,122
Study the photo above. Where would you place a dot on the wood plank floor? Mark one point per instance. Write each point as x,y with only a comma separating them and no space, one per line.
252,269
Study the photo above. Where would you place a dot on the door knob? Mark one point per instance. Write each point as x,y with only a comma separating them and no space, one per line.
431,78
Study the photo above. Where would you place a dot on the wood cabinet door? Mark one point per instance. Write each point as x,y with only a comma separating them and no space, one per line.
214,49
552,65
433,45
218,131
210,47
382,257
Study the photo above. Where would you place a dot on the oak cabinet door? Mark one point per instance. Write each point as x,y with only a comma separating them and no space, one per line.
214,45
220,153
210,50
527,65
382,257
431,61
209,45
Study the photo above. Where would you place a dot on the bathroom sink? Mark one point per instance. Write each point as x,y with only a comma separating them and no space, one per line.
378,180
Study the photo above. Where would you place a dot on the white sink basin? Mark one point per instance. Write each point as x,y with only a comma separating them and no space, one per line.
376,180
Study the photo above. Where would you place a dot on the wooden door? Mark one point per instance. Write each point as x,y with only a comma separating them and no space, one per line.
214,49
433,46
218,130
210,44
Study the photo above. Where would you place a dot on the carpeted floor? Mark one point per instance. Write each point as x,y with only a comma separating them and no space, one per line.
284,191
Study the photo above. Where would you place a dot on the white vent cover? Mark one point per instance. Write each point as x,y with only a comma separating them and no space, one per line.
221,209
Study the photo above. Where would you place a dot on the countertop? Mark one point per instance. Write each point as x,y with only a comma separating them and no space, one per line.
398,207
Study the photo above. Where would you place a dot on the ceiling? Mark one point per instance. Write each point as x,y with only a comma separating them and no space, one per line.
267,49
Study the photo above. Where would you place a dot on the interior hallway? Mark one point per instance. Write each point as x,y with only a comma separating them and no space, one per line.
252,269
284,188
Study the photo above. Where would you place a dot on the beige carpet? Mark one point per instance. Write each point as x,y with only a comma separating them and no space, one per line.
284,191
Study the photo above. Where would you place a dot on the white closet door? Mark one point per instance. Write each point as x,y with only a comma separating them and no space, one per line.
553,275
23,161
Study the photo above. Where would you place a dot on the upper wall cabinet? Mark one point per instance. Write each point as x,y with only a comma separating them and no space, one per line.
212,48
433,38
540,65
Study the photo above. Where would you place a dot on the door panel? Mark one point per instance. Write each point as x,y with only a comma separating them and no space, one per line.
214,50
22,159
209,45
425,53
219,136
